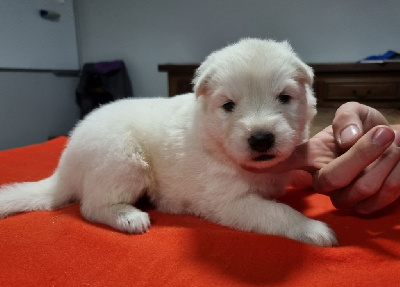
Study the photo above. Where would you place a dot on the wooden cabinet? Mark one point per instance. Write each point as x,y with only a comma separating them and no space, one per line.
377,85
180,77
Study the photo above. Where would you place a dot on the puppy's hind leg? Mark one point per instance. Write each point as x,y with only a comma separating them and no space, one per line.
110,191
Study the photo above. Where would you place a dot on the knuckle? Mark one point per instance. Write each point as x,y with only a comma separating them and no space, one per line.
327,181
392,154
362,190
340,199
346,110
391,188
348,106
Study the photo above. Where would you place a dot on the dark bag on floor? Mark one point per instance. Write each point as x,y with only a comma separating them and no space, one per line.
101,83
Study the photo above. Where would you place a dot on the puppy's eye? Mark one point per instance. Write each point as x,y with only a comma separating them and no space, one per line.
229,106
284,98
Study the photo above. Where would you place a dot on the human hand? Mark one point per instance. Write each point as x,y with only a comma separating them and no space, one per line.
366,177
356,161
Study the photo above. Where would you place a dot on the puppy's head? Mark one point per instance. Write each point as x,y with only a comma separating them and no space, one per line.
255,102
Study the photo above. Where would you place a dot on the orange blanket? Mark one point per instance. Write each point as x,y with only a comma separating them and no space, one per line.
60,248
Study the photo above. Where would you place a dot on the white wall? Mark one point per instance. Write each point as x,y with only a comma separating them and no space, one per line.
146,33
35,106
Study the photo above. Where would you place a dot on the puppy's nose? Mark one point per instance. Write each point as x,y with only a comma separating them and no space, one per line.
261,142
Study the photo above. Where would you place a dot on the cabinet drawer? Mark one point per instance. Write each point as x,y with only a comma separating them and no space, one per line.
361,91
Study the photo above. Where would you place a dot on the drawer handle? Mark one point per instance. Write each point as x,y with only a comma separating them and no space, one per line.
362,96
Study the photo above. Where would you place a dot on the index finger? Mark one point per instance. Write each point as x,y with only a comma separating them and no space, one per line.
341,171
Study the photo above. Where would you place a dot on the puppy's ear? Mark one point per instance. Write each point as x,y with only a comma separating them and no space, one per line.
305,74
201,81
200,84
203,76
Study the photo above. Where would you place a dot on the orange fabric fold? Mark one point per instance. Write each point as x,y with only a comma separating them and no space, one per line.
60,248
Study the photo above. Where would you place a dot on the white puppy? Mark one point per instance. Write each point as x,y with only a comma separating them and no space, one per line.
195,153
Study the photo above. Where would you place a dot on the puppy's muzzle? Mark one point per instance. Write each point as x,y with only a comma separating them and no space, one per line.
262,143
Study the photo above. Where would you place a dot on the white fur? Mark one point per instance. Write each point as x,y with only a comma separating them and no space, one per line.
188,153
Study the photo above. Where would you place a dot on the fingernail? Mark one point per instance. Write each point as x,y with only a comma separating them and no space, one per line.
349,134
383,136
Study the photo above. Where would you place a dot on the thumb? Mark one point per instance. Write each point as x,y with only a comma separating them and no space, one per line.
352,120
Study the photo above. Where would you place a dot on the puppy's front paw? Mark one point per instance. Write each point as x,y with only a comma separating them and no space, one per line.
134,221
316,232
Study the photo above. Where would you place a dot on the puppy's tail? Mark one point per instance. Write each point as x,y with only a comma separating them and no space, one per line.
29,196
